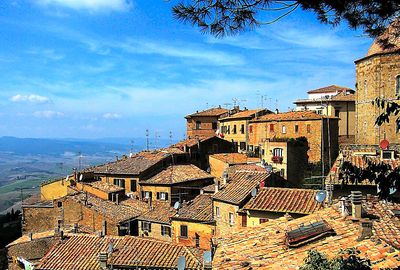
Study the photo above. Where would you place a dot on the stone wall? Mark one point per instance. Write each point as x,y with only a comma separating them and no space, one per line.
375,77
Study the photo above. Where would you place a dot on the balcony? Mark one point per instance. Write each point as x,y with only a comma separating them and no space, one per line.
277,159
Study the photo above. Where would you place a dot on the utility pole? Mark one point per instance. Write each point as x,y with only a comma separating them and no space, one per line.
147,139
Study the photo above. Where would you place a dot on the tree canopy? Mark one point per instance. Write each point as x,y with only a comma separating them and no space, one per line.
229,17
347,259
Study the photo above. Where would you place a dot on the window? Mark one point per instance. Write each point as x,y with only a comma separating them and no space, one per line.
397,85
296,128
197,240
263,220
277,152
337,113
271,127
308,128
228,130
133,185
284,129
243,146
162,196
59,204
146,226
119,182
365,87
231,219
397,126
217,213
214,125
146,194
305,233
319,111
184,231
242,129
282,173
250,129
198,124
223,129
234,129
166,230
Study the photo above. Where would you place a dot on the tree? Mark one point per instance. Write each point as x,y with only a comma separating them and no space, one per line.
347,259
229,17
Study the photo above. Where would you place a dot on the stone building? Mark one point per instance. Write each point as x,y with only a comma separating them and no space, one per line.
235,128
335,101
205,123
377,75
321,132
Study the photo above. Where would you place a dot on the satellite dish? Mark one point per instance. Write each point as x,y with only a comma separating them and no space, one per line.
392,190
177,205
320,196
268,168
130,155
80,177
181,263
207,256
110,248
208,169
66,178
254,192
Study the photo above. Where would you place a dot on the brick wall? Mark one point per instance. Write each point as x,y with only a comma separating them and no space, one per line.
375,77
205,126
39,219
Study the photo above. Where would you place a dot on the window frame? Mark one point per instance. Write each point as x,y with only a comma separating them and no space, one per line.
283,129
135,185
217,211
296,128
186,229
145,224
231,219
166,230
198,125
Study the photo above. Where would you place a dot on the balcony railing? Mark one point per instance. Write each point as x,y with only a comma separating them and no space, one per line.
277,159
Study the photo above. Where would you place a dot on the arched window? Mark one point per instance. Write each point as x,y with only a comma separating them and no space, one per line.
397,85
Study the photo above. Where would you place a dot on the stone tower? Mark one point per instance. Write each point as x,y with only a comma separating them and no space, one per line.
377,75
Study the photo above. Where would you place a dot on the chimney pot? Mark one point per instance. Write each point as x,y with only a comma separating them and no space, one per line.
365,230
103,258
356,208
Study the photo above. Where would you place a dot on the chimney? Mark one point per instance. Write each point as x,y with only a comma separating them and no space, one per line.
103,258
224,178
201,191
216,187
329,191
276,111
342,206
104,228
117,198
356,197
365,229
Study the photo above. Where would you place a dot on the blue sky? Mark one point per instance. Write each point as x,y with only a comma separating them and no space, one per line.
114,68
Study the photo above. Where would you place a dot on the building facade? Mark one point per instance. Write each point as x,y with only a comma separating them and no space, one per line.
335,101
377,75
321,132
235,128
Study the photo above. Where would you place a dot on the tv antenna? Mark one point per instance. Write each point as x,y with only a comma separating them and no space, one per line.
147,139
131,151
170,137
156,136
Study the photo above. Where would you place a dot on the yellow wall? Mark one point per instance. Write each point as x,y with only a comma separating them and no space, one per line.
217,167
222,221
110,180
55,190
205,232
155,231
155,189
239,136
268,154
253,217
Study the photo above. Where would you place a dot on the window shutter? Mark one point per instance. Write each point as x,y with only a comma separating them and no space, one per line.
166,196
149,227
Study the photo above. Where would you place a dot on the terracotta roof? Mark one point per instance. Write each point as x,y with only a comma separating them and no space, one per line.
387,227
209,112
106,187
160,213
240,186
393,39
35,236
231,158
176,174
209,189
264,247
246,114
134,165
192,141
198,209
82,251
329,89
344,97
118,213
285,200
291,116
247,168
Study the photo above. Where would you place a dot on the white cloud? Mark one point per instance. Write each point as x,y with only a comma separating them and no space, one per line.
46,53
90,5
47,114
30,98
109,116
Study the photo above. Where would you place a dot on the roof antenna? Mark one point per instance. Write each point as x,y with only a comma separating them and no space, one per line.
147,139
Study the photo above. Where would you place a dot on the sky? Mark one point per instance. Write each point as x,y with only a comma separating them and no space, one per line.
114,68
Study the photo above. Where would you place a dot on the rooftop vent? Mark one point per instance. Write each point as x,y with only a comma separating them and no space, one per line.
306,233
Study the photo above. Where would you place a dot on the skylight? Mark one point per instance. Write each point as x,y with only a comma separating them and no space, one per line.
305,233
